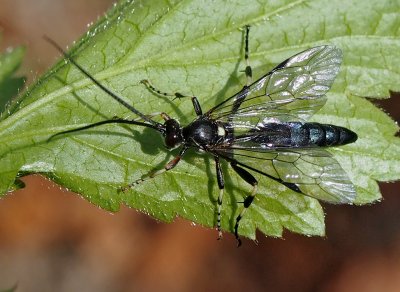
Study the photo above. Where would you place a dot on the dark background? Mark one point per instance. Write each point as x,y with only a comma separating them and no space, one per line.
52,240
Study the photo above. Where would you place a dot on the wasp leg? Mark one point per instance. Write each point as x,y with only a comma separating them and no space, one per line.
248,70
244,174
159,92
221,185
249,75
170,165
195,102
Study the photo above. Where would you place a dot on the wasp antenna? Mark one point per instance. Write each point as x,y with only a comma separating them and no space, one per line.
158,126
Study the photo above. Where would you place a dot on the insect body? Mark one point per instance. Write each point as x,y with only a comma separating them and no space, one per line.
262,129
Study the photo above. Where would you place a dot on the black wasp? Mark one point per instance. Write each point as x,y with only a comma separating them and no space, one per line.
261,129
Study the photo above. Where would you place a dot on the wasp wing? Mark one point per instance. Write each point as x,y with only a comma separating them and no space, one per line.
295,88
293,91
312,171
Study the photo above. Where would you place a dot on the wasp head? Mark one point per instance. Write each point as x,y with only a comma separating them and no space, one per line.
173,133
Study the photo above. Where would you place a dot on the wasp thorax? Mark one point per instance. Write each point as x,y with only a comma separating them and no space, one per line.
173,133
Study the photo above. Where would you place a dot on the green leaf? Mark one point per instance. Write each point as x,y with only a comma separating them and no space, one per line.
196,48
12,289
9,85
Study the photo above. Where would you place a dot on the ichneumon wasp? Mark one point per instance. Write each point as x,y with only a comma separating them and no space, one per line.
261,129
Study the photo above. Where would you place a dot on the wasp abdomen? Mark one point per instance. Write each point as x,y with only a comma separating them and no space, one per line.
298,134
327,135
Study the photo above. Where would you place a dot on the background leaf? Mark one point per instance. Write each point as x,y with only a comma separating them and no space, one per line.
10,85
193,48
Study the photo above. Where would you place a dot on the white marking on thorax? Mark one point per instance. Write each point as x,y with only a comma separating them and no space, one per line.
221,131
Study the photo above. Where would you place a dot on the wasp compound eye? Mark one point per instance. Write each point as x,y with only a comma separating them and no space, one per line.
173,133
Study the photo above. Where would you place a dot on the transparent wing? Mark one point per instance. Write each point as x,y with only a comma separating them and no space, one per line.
295,89
314,171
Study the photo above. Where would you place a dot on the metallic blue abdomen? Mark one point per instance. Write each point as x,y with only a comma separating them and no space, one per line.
298,135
